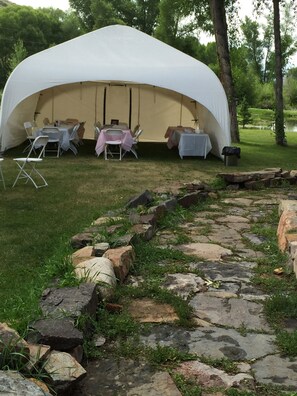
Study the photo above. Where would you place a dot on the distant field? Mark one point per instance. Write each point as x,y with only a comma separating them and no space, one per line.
264,118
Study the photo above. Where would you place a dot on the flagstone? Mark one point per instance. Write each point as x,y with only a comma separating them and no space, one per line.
207,251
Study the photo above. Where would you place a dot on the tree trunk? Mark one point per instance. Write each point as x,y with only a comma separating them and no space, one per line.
217,8
279,100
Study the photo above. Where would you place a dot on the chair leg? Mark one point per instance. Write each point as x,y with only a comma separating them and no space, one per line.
2,178
23,174
134,152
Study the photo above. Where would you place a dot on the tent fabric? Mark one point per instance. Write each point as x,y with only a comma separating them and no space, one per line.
116,54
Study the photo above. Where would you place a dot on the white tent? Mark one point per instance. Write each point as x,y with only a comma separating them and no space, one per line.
115,72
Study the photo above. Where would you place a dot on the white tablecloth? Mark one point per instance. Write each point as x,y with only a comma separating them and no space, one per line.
193,144
66,130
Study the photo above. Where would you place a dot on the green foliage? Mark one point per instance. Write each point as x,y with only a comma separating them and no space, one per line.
187,387
12,356
244,112
96,14
287,342
224,364
19,53
165,355
218,183
282,305
116,325
36,29
266,98
290,91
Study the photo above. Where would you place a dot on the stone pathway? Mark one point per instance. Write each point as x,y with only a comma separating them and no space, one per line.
227,308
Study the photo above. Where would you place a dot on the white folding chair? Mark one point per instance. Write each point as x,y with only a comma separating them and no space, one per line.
30,137
113,143
27,165
74,139
1,174
135,141
55,137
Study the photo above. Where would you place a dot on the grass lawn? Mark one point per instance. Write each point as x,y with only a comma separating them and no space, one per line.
36,225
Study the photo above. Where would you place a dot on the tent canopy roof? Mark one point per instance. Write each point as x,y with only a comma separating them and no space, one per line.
115,53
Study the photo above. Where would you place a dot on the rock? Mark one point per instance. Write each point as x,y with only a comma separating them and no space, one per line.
125,240
122,259
287,205
11,341
210,377
214,342
83,239
38,353
277,370
161,384
100,248
238,201
13,383
287,223
70,301
82,254
63,370
232,219
159,211
170,204
143,232
206,251
149,218
149,311
231,312
144,198
98,270
59,334
257,184
255,239
183,285
192,199
226,271
243,177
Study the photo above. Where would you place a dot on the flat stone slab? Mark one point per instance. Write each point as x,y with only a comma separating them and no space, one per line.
232,219
213,342
226,271
124,377
210,377
183,285
161,384
206,251
223,234
238,201
149,311
232,312
276,370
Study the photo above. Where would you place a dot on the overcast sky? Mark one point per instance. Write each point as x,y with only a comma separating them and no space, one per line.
62,4
246,5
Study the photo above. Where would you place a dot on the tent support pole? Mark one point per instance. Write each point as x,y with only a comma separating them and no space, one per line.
130,107
104,106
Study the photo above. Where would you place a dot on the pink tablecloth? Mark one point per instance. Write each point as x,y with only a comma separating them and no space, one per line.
173,134
127,141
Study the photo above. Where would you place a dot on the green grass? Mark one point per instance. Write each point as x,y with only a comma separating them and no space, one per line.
265,117
37,225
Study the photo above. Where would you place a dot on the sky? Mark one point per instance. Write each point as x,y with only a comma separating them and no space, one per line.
246,5
62,4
